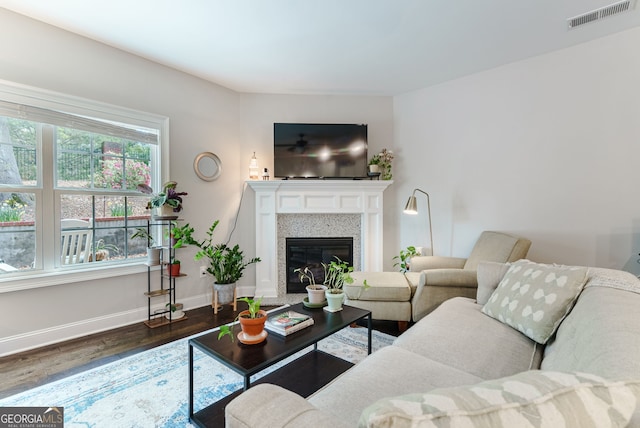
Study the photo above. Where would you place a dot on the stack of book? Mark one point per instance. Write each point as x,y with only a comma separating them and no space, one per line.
288,322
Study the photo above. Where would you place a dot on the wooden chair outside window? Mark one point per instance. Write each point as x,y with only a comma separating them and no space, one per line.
76,238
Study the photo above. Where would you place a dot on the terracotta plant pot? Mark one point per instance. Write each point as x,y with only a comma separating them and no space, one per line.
252,327
173,269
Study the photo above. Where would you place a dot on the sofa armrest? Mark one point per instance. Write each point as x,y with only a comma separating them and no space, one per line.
449,278
267,405
420,263
437,285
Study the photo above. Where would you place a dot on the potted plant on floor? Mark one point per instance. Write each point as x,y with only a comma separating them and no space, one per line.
226,264
337,273
251,322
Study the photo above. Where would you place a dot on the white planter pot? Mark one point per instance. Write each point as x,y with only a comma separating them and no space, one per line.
153,256
165,211
334,300
316,293
374,169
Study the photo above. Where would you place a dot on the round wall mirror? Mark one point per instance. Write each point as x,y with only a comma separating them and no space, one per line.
207,166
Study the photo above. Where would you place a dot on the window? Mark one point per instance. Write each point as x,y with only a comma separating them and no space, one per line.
68,175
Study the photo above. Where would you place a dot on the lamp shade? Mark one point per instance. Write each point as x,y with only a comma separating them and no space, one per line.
412,206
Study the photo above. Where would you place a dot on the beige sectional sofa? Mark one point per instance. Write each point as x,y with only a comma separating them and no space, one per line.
453,356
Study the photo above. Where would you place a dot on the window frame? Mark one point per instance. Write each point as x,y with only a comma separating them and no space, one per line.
47,195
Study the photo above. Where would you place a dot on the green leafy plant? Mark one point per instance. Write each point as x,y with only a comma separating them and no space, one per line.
12,209
404,258
383,159
226,264
181,235
254,312
168,196
336,274
118,210
142,233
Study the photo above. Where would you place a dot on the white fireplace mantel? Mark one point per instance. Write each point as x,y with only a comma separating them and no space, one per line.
275,197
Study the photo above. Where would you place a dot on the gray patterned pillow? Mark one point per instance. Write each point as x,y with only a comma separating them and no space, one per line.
529,399
534,298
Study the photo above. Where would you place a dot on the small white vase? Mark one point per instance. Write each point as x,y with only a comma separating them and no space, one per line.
165,211
316,293
334,300
153,256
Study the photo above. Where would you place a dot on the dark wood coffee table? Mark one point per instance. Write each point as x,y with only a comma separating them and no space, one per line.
304,375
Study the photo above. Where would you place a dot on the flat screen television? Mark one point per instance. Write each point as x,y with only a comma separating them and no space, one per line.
313,150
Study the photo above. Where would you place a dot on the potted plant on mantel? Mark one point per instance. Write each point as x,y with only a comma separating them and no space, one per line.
167,202
226,264
251,322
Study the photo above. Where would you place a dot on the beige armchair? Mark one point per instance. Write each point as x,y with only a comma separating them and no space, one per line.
442,278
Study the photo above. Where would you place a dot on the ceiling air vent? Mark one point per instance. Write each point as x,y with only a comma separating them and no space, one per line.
603,12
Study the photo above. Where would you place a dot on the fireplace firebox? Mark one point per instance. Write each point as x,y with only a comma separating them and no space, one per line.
311,253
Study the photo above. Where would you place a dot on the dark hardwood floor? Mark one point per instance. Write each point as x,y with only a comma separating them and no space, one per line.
26,370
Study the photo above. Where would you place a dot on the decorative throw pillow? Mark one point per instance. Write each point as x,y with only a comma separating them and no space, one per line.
529,399
534,298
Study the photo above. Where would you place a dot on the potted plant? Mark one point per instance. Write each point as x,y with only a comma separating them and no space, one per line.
383,161
405,258
176,311
251,322
374,164
173,268
181,235
103,250
226,264
315,292
153,253
168,201
337,273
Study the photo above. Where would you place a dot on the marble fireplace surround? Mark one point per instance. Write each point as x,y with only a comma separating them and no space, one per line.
296,206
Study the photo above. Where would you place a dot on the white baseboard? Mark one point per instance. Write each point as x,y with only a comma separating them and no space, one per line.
35,339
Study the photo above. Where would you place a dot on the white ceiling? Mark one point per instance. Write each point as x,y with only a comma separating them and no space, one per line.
376,47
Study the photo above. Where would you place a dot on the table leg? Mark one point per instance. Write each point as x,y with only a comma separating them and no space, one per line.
369,325
190,381
247,382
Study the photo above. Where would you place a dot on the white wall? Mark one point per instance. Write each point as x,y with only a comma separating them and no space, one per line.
203,117
546,148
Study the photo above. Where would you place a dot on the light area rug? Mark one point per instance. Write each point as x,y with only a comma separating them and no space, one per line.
150,389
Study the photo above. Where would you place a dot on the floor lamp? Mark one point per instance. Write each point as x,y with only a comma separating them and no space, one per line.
412,208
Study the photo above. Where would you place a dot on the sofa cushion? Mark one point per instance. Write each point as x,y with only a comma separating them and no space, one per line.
458,334
383,286
387,372
528,399
534,298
